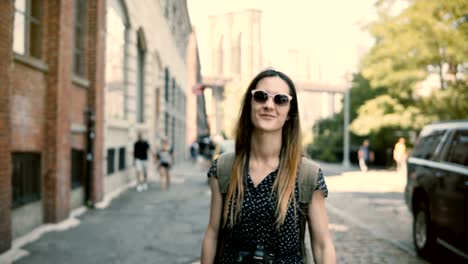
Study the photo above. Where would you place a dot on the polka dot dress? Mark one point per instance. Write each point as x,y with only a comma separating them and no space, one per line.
256,225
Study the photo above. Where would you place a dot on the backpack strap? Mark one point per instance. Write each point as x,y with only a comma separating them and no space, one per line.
308,174
223,170
223,173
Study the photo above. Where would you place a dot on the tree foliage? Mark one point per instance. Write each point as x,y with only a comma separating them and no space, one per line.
419,41
426,38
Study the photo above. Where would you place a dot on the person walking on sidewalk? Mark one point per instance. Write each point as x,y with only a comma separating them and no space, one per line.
365,155
140,156
165,159
260,217
400,155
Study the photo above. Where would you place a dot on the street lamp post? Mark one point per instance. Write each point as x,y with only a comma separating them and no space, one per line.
346,162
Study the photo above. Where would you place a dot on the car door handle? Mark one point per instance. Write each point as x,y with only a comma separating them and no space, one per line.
440,174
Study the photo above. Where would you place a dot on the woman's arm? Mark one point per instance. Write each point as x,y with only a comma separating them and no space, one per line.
211,235
321,241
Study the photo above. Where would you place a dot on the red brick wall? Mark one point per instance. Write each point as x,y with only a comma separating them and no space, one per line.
27,108
96,50
40,107
6,35
56,195
77,107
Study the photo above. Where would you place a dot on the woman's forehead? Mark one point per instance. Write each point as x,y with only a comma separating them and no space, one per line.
273,84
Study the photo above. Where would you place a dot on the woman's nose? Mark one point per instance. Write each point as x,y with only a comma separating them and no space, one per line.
269,102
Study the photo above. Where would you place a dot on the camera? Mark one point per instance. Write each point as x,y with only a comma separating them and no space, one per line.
258,256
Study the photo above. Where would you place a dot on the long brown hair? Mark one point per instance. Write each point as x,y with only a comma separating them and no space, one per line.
290,156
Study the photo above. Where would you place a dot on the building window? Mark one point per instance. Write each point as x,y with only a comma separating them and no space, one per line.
166,84
141,82
237,55
110,161
27,28
79,45
116,60
166,124
220,57
26,181
77,168
173,92
158,104
122,162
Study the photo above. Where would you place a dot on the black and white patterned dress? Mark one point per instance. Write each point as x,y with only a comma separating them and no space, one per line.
256,225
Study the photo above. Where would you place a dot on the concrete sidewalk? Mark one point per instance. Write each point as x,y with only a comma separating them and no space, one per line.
127,226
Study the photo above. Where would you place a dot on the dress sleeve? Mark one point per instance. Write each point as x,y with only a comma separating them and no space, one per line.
321,185
212,170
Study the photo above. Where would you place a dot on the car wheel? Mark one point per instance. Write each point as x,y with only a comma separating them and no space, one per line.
423,233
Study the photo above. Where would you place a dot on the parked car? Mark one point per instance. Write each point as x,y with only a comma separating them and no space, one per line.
437,188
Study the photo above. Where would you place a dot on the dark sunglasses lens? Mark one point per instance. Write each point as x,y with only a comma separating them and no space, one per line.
260,96
281,99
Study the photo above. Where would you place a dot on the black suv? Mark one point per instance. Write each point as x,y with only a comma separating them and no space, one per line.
437,188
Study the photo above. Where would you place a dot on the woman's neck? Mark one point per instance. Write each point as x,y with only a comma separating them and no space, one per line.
265,146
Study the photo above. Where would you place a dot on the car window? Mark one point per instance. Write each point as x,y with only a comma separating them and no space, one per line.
458,151
426,146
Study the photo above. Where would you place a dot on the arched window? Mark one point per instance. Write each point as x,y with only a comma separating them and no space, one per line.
141,56
220,57
116,60
237,54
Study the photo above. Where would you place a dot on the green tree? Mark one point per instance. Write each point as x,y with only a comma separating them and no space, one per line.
419,41
426,38
327,143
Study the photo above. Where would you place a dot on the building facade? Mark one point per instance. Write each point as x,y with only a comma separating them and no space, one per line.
79,79
146,78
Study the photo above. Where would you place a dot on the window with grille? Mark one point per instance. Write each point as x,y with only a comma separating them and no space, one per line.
122,153
77,168
80,30
26,178
110,161
27,36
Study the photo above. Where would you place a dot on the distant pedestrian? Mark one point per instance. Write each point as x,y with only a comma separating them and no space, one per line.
400,155
194,148
365,155
165,158
140,156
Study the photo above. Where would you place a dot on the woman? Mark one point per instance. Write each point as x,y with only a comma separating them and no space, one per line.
261,206
164,156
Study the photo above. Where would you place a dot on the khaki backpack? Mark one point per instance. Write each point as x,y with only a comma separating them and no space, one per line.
307,179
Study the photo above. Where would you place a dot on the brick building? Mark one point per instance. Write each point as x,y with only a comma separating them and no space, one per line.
79,79
51,76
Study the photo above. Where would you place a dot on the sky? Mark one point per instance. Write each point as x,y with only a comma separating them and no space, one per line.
328,32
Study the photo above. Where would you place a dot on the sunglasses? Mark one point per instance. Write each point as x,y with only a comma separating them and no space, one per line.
261,96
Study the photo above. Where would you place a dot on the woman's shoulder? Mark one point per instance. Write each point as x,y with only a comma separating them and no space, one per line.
212,172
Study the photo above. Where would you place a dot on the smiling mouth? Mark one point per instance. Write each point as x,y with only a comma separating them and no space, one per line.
269,116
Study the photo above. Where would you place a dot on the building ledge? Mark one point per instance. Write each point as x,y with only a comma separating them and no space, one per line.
80,81
32,62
